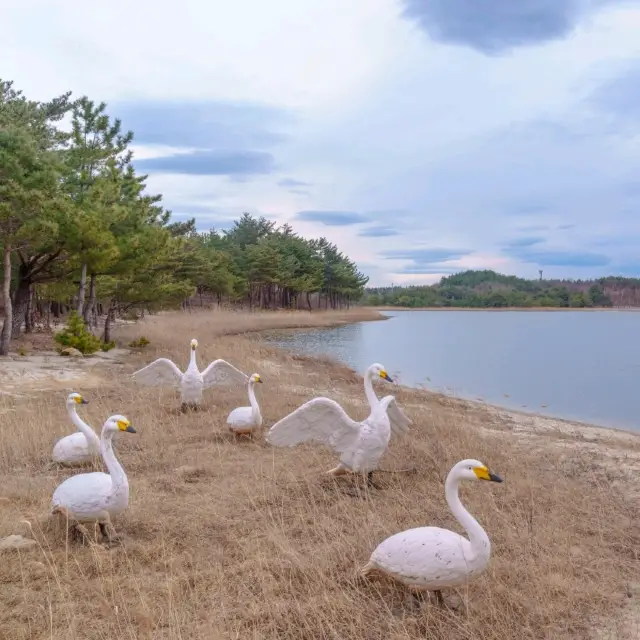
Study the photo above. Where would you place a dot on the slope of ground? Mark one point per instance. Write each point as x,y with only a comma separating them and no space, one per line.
230,538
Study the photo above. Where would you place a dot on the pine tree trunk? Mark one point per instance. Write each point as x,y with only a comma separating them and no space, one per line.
107,324
89,308
5,337
20,303
82,289
28,315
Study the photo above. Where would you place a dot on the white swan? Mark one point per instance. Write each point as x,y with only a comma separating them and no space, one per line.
79,447
361,444
246,420
431,558
191,383
97,497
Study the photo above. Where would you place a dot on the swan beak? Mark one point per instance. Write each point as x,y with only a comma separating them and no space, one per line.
259,380
482,473
83,401
385,376
130,429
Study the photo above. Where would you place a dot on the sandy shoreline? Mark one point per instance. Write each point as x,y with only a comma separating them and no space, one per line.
508,309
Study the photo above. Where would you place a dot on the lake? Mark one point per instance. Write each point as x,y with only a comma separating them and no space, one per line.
577,365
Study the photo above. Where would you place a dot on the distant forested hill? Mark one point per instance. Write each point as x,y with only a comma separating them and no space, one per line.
488,289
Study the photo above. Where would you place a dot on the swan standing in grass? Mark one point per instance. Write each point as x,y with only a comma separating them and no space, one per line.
431,558
192,382
361,444
77,448
97,497
247,420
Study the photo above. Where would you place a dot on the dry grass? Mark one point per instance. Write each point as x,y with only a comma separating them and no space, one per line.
233,539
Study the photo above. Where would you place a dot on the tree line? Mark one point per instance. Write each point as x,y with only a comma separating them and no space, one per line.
487,289
78,230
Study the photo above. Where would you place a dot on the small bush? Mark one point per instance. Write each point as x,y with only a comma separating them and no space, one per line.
140,343
107,346
77,335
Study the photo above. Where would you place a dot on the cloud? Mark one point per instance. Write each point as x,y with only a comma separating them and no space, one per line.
292,183
526,209
205,125
428,271
378,232
426,255
211,163
493,27
333,218
525,241
562,258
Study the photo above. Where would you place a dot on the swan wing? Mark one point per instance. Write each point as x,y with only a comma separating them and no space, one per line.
159,373
73,449
321,420
223,373
398,420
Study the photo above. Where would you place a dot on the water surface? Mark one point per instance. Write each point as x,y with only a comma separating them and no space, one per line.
576,365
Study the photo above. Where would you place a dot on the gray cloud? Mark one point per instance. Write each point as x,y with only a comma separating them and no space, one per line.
287,183
427,255
378,232
211,163
525,241
205,125
493,27
427,270
333,218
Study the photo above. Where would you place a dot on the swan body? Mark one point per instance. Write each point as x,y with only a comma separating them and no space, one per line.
246,420
77,448
431,558
192,382
97,497
360,444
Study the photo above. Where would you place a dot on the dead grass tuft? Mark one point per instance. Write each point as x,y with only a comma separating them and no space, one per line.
232,539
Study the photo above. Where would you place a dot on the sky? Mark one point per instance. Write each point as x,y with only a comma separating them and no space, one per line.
422,137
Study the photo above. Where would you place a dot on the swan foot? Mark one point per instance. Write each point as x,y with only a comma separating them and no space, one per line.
340,470
367,569
109,533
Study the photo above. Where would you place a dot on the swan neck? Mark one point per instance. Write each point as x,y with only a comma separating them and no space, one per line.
118,476
477,536
192,360
368,390
252,400
81,425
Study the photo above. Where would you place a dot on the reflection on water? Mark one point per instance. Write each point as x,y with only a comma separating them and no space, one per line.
577,365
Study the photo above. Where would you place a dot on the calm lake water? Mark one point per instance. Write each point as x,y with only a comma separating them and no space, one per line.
577,365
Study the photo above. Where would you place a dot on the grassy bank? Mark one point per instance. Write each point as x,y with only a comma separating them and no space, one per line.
233,539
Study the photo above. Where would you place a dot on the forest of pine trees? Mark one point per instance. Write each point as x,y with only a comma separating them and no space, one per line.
78,231
484,289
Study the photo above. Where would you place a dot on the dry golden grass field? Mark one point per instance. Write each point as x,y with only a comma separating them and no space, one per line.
229,538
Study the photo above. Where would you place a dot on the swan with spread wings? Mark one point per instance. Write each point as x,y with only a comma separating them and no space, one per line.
192,382
360,444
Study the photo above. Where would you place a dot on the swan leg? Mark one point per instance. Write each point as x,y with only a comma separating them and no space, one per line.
439,598
370,482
